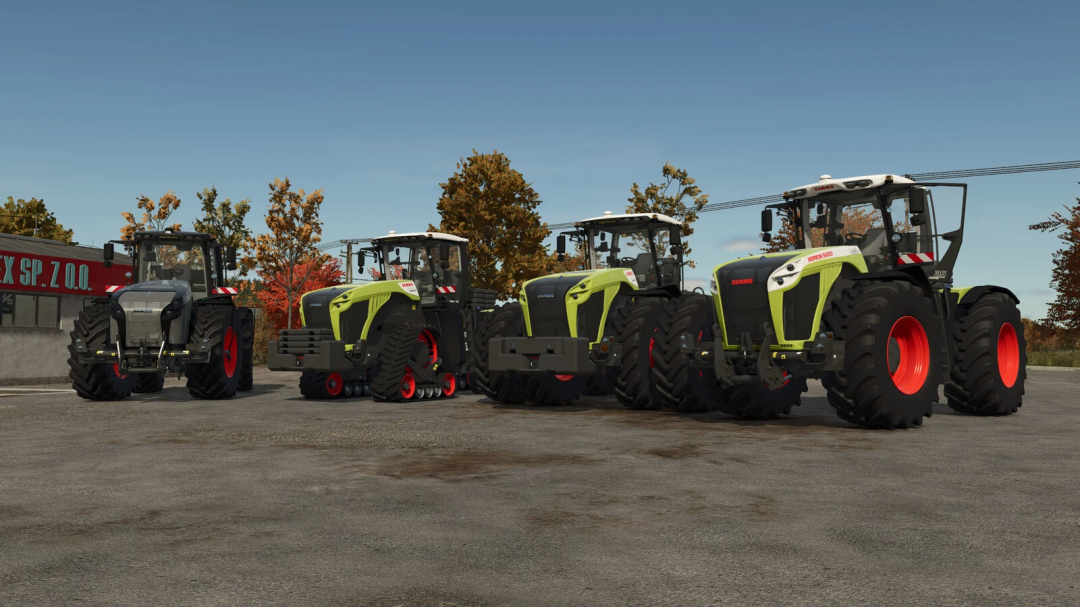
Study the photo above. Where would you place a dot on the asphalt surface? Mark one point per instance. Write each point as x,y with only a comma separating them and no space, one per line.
271,499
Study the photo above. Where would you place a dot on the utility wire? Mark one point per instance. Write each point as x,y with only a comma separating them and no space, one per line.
774,198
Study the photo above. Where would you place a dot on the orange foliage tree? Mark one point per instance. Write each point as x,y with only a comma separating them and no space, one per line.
154,217
663,199
283,310
287,256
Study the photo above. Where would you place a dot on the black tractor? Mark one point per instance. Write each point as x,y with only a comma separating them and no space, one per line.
177,315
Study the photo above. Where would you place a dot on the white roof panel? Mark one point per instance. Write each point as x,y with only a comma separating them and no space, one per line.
827,184
431,235
652,216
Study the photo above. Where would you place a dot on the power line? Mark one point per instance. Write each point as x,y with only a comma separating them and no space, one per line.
775,198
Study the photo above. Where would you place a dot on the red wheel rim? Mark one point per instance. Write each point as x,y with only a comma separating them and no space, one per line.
1008,355
428,339
334,384
408,386
914,364
449,384
229,351
564,377
116,370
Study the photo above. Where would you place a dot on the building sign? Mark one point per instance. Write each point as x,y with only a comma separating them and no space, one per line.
46,274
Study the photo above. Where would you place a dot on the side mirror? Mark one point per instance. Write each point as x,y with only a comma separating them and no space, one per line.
230,257
231,266
766,221
917,201
108,252
560,245
603,236
766,237
676,238
918,220
444,251
361,258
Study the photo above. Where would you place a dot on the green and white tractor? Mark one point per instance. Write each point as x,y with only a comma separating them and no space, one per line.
577,328
864,300
404,336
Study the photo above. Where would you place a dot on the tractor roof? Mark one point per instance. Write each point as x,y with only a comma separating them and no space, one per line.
170,235
827,185
413,236
628,218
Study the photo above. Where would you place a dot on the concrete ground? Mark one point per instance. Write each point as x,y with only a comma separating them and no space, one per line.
271,499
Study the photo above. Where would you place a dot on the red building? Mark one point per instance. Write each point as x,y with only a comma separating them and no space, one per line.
43,285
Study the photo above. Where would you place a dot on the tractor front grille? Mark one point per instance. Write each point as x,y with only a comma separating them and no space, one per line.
546,298
317,307
744,296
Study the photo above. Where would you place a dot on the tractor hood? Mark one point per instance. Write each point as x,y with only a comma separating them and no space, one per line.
144,314
319,309
743,288
572,304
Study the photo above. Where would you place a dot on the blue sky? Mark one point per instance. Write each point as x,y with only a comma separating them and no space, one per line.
103,101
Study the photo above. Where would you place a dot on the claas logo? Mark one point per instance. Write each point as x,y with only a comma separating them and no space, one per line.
743,281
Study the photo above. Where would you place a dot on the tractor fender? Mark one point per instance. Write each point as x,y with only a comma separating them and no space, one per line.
969,295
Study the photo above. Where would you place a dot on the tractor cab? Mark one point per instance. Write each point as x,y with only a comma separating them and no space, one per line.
648,244
435,262
890,219
193,258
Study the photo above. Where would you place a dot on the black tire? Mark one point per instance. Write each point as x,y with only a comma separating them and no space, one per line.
756,401
980,357
682,387
866,316
148,383
396,348
598,385
635,385
218,378
247,340
550,390
321,385
95,381
504,321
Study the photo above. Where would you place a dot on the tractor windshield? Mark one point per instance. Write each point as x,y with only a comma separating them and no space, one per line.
435,267
634,246
174,260
864,219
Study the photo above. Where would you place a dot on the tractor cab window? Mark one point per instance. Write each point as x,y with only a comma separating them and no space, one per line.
634,247
446,261
852,221
184,261
410,261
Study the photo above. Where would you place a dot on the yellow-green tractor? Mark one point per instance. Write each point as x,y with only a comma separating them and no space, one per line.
863,298
570,329
404,336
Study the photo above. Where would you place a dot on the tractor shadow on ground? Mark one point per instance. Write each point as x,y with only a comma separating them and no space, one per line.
811,414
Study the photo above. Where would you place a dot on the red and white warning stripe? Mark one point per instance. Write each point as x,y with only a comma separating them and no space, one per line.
111,288
910,258
447,289
225,291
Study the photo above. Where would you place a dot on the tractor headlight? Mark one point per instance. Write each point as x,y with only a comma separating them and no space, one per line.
172,310
116,310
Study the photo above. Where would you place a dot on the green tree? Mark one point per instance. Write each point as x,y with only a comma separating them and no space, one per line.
31,218
677,197
1065,277
493,206
154,216
225,221
287,256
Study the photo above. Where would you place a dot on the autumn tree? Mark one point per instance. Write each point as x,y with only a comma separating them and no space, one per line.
282,310
494,207
677,197
225,221
155,215
287,257
31,218
1065,277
